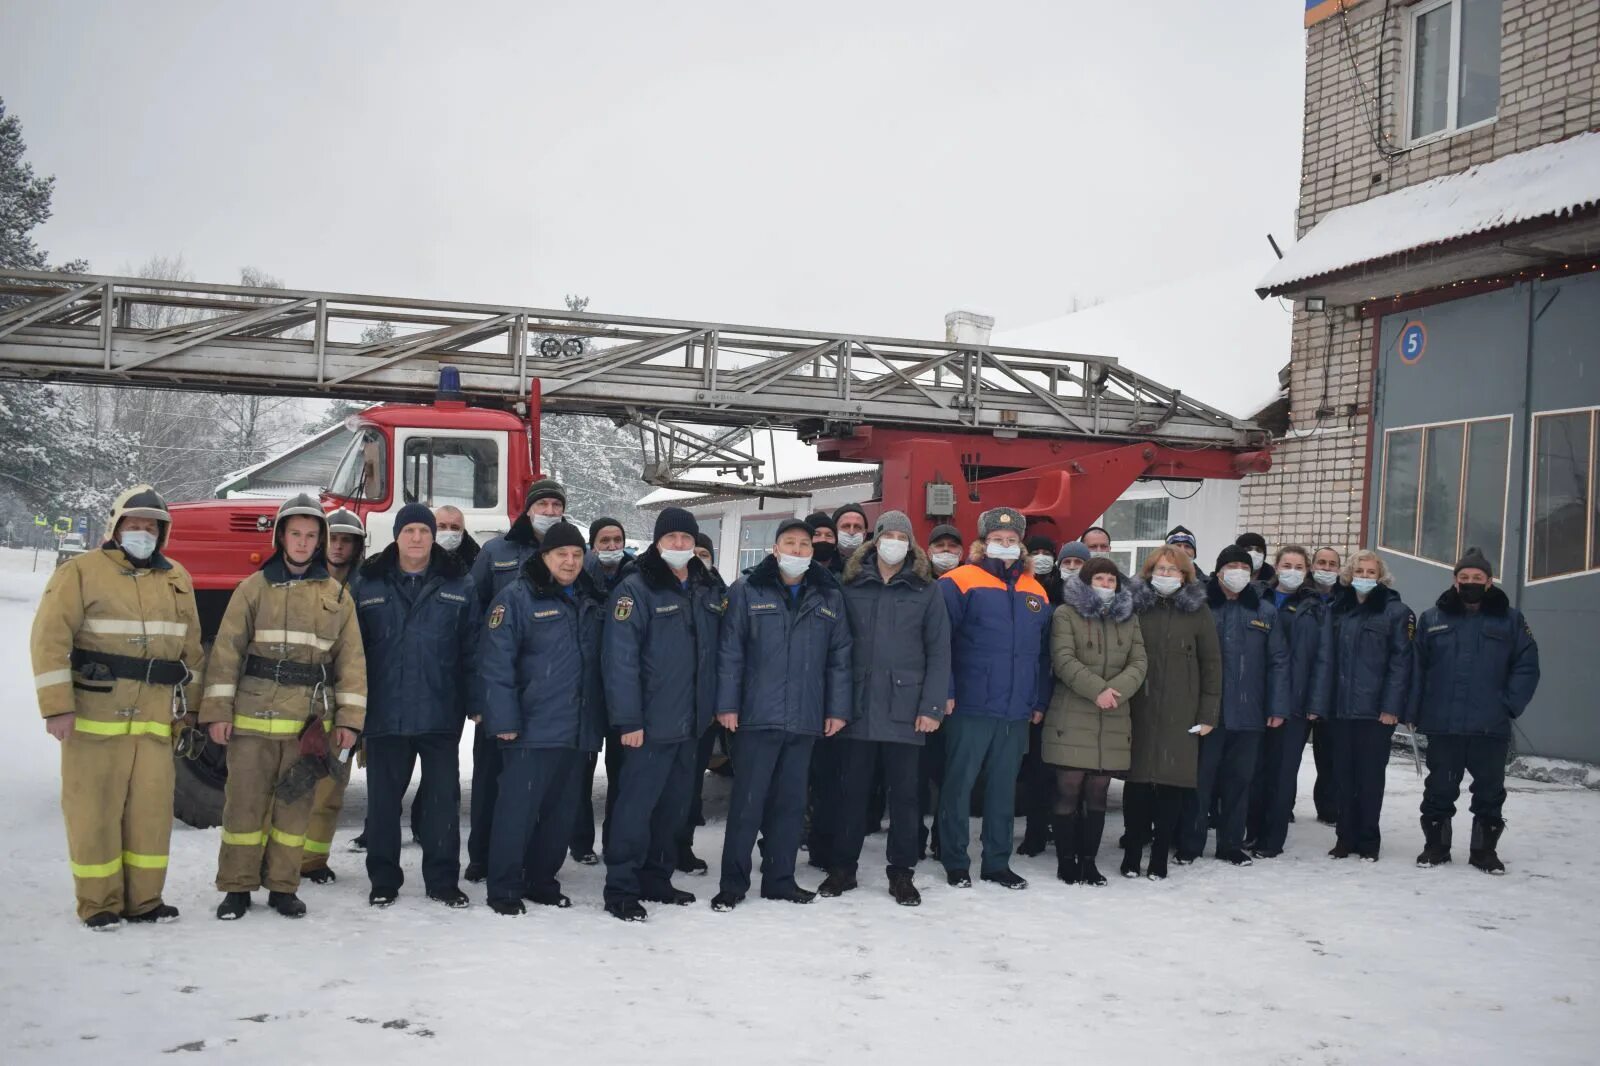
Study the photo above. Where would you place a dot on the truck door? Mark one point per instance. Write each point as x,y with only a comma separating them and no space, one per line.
460,467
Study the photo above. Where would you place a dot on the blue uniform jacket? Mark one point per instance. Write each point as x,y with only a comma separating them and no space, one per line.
1475,670
500,561
781,666
1304,615
540,661
1372,655
661,644
1255,658
999,640
419,653
607,584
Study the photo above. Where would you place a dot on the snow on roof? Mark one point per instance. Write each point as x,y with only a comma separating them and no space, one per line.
1208,335
1548,181
788,459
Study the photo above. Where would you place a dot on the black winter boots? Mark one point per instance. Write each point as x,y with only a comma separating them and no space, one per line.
233,906
837,883
161,912
1485,837
287,904
1035,838
903,891
1091,827
1435,842
1066,833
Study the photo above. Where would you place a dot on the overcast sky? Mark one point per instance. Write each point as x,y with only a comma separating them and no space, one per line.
859,166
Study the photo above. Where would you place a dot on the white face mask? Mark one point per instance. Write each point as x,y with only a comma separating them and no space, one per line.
851,541
1100,555
1289,580
1070,571
1104,593
1008,553
449,539
1043,564
1256,559
1166,586
1325,578
793,565
893,552
945,560
543,522
611,557
1235,580
675,558
137,544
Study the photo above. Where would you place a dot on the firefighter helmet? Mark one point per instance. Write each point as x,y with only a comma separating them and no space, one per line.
343,520
305,506
142,501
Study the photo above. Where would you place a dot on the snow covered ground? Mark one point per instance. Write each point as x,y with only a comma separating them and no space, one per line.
1298,960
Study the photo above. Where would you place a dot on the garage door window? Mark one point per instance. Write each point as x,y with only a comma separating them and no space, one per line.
1565,532
1444,489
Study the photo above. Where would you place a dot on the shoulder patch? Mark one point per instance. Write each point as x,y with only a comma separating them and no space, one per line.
623,609
1526,629
1035,604
1411,625
497,616
719,607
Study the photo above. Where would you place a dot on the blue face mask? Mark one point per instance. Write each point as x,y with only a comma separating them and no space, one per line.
1363,585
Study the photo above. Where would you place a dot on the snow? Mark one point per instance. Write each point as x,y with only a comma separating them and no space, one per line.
1297,960
1550,180
1208,335
788,459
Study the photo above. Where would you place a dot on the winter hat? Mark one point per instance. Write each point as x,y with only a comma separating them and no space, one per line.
561,535
603,523
545,489
675,520
894,522
795,523
1039,543
413,514
1474,560
1232,554
1252,540
945,531
1180,535
999,518
1099,566
701,540
1074,549
845,509
819,520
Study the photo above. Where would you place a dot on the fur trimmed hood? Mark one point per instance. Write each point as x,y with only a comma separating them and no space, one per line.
1188,599
1495,603
919,566
1083,599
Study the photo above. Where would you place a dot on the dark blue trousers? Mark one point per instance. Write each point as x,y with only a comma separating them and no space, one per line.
1450,756
436,811
994,747
1279,772
652,803
769,798
702,760
485,786
1227,763
824,802
1361,759
532,821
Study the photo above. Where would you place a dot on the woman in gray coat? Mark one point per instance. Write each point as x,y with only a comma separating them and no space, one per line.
901,680
1097,654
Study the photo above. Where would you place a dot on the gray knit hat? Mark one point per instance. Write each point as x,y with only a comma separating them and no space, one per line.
998,518
894,522
1073,549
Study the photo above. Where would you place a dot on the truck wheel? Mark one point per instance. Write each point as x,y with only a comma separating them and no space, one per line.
198,787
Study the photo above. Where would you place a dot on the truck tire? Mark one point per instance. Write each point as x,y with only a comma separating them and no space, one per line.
198,787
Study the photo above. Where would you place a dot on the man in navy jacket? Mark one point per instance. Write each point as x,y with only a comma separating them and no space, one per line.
783,680
1476,670
660,655
419,626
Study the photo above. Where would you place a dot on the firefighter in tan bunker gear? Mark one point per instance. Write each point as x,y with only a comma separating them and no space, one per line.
347,542
286,676
116,649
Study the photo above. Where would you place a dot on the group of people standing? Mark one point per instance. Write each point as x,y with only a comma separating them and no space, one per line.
852,670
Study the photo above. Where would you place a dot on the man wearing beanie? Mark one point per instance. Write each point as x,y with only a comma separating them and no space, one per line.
1000,683
497,566
1182,537
661,639
783,680
901,652
824,541
1261,571
944,549
850,526
540,661
1477,667
608,560
419,625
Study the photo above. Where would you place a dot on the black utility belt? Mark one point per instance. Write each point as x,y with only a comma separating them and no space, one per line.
285,672
129,667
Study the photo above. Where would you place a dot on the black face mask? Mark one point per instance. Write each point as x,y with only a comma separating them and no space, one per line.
823,551
1472,595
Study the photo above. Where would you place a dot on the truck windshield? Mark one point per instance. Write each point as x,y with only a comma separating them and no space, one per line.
361,472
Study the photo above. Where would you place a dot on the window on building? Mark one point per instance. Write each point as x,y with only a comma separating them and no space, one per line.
1455,66
463,472
1137,528
1444,489
1566,526
755,540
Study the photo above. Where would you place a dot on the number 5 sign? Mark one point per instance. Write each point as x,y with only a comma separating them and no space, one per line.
1413,342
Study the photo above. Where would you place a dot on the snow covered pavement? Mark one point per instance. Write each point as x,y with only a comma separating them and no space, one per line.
1296,960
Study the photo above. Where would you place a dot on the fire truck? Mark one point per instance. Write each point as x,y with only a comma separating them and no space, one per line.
954,426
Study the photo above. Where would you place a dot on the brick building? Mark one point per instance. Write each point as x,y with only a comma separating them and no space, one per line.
1445,354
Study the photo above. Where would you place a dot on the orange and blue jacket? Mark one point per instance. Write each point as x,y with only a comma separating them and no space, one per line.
999,640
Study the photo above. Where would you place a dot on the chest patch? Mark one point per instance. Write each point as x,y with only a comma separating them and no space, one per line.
509,564
623,609
824,612
670,608
1034,604
497,616
371,601
551,613
1256,623
763,607
1438,629
452,597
